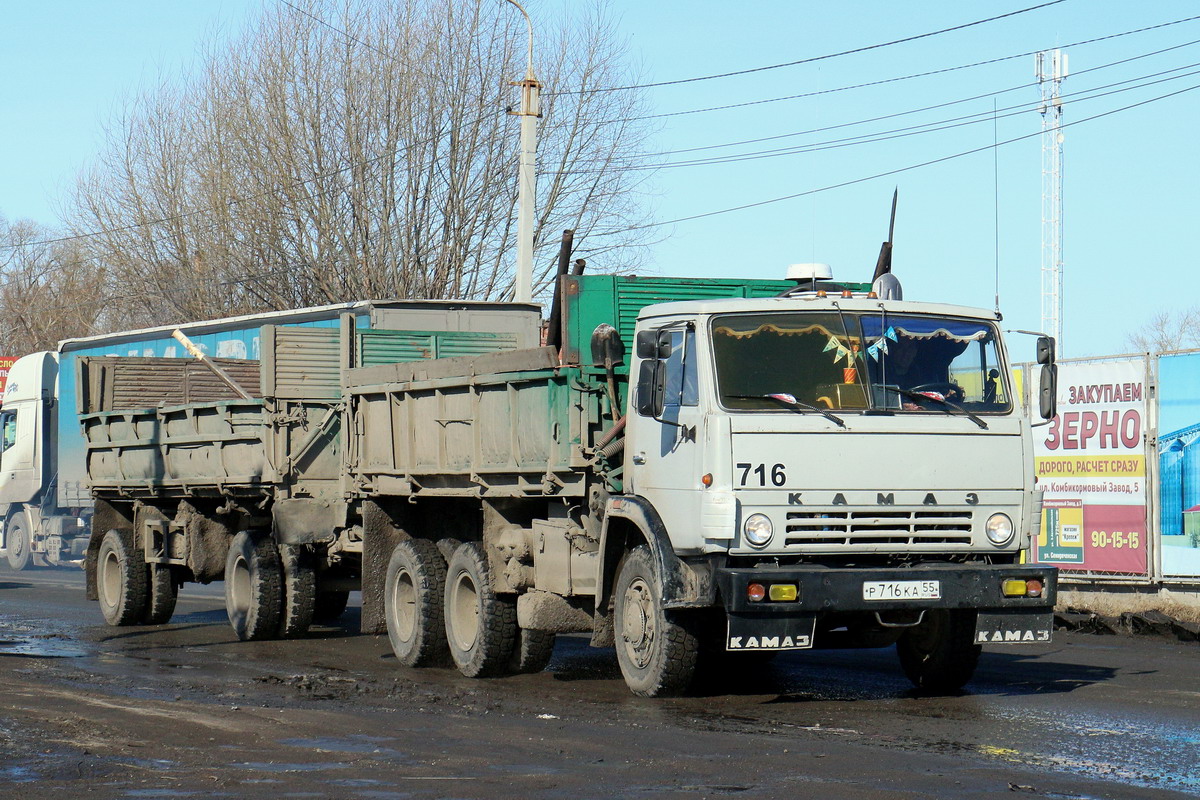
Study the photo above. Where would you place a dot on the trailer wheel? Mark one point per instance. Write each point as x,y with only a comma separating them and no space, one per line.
122,580
299,592
330,605
413,600
481,626
161,596
532,651
655,648
253,586
20,548
940,654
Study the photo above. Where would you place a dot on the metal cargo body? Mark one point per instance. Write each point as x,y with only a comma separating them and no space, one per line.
219,445
241,338
508,424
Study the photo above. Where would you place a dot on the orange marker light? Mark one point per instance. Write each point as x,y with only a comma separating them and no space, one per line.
707,480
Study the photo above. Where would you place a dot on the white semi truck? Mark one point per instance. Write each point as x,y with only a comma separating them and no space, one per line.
693,467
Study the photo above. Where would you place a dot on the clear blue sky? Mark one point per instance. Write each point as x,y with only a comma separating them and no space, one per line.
1131,179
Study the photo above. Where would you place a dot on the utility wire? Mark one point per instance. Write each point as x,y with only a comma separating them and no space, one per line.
883,81
887,173
923,128
916,110
813,58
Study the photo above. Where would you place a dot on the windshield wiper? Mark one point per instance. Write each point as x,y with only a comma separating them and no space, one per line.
792,403
937,398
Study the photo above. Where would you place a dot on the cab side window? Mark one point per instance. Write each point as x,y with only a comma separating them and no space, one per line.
8,429
681,388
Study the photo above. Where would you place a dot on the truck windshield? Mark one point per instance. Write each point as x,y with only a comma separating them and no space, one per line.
855,361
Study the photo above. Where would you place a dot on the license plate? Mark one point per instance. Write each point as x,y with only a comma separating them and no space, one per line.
902,590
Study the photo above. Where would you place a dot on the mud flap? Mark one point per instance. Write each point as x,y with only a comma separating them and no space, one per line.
763,632
1014,627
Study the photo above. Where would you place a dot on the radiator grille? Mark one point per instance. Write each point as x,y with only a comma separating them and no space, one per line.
874,528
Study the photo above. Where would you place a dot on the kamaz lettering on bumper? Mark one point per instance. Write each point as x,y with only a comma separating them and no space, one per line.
802,642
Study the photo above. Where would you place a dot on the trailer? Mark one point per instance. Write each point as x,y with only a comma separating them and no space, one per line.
45,502
698,471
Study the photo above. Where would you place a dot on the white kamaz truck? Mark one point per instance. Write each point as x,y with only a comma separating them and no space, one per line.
691,469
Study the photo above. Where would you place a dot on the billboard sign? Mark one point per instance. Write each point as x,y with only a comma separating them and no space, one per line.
1091,462
6,363
1179,464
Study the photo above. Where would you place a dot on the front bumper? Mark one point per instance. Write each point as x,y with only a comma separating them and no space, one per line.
833,589
823,591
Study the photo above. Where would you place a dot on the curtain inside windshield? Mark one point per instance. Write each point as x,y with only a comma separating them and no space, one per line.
914,360
769,360
856,361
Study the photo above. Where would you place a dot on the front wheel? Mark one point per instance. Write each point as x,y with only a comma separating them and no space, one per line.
656,650
481,626
413,596
940,654
20,547
122,580
254,586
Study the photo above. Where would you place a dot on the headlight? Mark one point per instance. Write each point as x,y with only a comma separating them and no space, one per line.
999,529
758,530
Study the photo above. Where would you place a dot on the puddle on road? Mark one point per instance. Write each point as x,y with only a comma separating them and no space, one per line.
1130,751
24,639
272,766
366,745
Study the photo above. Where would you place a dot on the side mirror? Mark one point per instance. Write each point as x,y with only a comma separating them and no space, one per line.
651,387
1045,350
653,344
1048,387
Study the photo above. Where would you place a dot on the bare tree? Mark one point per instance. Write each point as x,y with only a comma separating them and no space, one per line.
1167,331
361,149
48,290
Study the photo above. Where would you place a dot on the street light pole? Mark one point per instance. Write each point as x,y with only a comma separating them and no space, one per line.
527,180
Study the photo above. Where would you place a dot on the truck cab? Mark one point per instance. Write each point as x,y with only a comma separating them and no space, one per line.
32,535
843,471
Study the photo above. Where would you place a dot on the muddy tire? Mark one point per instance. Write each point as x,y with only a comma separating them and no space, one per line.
481,626
532,651
254,586
330,605
940,654
656,649
20,544
299,592
122,580
161,596
414,595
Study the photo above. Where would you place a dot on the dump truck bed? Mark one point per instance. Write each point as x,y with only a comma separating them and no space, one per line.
178,449
502,425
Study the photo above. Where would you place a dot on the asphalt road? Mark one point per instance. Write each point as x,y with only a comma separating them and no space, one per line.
185,710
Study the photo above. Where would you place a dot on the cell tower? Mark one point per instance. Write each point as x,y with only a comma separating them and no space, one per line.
1051,70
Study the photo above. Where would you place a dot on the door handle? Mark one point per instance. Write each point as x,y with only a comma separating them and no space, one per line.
639,458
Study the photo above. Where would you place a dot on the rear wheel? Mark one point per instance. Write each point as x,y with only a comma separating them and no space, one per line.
20,548
253,586
532,651
122,580
655,648
940,654
162,593
481,626
299,592
413,601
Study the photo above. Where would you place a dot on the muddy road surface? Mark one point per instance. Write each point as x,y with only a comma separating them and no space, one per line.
184,710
